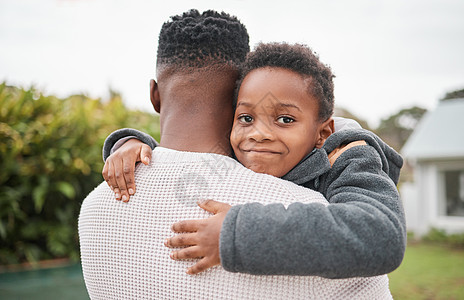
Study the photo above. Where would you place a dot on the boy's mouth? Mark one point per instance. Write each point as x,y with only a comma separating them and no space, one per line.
261,151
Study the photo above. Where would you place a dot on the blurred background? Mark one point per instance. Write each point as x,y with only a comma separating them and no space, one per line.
73,71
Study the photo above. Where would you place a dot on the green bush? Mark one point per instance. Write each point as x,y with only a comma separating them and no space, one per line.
50,159
438,236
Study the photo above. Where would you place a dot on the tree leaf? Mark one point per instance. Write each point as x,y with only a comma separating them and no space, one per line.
38,194
66,189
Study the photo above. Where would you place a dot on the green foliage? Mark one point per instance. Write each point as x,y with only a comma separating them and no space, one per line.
50,159
396,129
458,94
438,236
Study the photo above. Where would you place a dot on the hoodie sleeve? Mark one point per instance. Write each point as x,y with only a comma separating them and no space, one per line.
360,233
122,134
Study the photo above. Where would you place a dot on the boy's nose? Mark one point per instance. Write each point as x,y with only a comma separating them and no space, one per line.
261,132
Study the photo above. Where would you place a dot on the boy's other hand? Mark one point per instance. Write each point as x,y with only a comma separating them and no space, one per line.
200,237
119,167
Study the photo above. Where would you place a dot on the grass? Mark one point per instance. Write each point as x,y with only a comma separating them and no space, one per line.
429,271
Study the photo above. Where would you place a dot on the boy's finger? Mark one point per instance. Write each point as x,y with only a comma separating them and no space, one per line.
125,196
120,180
129,170
105,171
111,177
187,253
213,206
145,154
105,174
186,226
181,240
117,193
204,264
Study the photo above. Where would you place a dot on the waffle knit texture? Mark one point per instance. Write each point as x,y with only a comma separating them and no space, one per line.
122,250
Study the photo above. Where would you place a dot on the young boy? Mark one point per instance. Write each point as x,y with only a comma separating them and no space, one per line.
283,127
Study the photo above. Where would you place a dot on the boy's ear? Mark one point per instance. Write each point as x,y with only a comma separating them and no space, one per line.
325,130
155,96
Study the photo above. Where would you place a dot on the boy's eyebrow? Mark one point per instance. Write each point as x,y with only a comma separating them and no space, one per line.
245,104
289,105
279,104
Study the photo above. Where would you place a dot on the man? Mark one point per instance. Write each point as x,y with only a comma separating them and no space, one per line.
122,246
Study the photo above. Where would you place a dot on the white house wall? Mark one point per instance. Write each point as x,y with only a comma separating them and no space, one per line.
424,200
428,195
416,197
411,203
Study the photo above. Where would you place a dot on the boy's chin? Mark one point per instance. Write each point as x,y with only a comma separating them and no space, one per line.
262,169
257,168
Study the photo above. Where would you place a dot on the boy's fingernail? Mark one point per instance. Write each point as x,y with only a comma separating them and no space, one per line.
131,191
124,198
146,159
117,196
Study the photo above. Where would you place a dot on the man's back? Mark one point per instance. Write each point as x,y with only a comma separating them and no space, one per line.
122,245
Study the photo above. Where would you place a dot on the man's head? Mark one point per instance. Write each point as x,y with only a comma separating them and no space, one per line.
206,49
207,40
198,61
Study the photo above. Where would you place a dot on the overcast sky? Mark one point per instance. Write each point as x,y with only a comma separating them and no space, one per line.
387,55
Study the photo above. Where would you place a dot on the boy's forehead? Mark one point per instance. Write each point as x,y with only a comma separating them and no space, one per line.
270,102
276,85
276,88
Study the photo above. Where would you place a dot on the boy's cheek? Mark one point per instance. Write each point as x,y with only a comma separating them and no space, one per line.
236,136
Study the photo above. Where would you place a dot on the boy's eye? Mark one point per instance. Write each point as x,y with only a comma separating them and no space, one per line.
245,119
285,120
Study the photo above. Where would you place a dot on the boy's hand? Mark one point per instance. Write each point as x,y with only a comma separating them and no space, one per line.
200,237
120,166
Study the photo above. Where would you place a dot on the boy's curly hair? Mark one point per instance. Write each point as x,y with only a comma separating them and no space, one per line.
198,40
300,59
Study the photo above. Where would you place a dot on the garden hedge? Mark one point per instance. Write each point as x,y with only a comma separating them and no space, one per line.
50,159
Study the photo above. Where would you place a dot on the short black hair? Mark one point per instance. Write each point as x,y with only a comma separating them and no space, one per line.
300,59
198,40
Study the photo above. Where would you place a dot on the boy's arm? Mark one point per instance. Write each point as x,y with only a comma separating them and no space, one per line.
116,137
362,233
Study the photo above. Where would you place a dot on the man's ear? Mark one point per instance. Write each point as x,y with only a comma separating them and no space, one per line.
324,131
155,96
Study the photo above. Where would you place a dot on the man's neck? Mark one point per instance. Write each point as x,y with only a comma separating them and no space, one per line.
186,140
200,132
196,112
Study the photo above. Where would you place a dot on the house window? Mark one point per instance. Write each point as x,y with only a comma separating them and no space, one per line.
454,192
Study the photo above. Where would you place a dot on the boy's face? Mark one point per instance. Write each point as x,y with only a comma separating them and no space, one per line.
276,121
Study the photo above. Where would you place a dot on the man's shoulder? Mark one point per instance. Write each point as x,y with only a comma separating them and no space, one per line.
236,179
101,188
102,192
213,174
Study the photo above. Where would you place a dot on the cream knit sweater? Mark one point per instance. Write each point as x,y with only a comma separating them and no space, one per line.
122,250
